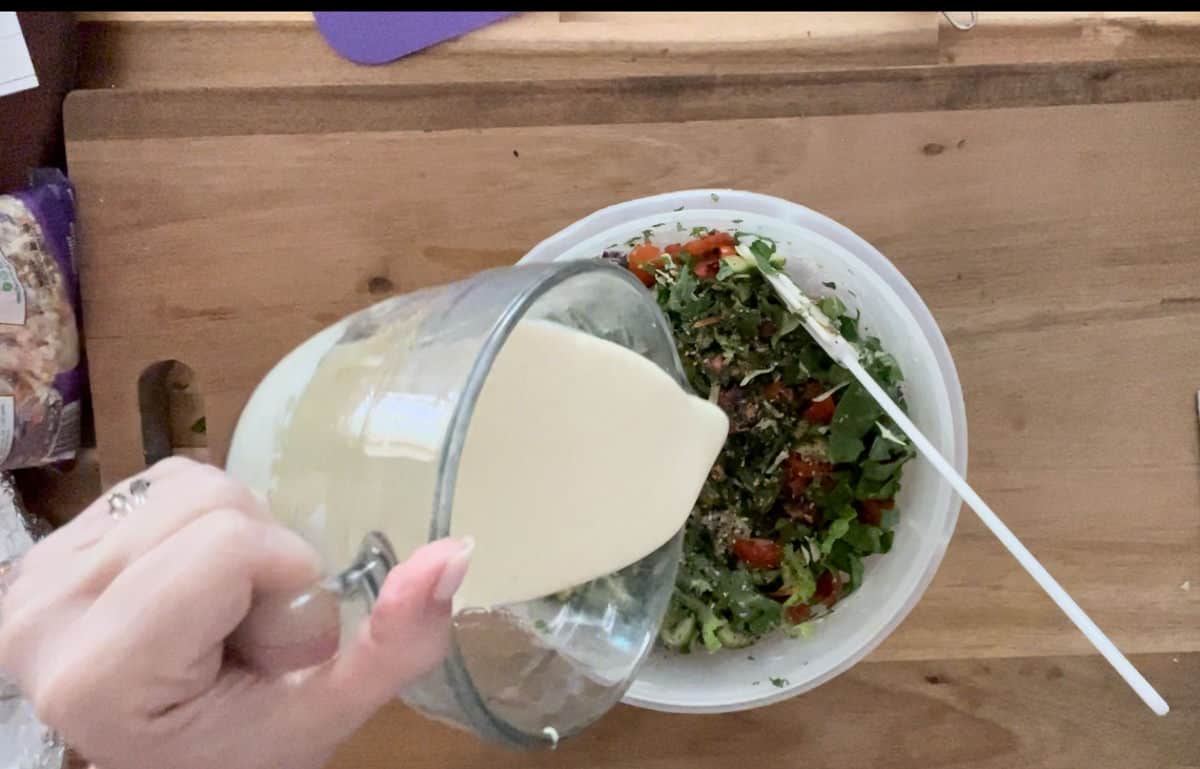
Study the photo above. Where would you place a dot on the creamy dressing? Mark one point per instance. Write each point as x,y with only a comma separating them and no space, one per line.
581,456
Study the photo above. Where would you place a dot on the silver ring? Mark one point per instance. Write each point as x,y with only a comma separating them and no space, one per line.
137,489
119,504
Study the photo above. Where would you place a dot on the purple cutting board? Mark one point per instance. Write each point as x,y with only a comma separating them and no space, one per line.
377,37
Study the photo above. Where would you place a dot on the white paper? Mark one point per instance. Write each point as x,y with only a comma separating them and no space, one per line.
16,68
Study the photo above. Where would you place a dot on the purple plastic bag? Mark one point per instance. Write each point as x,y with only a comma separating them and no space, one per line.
41,374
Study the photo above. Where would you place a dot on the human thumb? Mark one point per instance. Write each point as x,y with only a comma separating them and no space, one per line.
405,637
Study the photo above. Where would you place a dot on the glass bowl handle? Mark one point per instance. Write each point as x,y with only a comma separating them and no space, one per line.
307,628
362,579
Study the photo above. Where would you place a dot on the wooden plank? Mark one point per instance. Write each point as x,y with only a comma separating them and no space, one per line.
612,30
1005,37
1052,713
296,110
1055,246
226,49
178,50
58,494
1049,713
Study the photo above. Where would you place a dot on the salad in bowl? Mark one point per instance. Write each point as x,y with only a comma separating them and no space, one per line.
817,531
804,489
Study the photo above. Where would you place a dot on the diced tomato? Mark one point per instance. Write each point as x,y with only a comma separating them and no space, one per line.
870,511
758,553
820,412
801,471
709,245
800,466
797,485
706,252
829,589
777,391
706,268
798,613
673,249
639,258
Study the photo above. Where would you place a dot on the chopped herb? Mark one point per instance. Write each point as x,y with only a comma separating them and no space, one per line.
832,307
200,426
679,209
540,625
715,197
763,250
829,284
740,235
856,414
779,683
836,531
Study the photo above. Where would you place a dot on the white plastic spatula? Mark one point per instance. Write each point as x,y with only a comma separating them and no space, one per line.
826,334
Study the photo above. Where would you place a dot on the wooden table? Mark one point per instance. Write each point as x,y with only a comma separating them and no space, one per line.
1047,213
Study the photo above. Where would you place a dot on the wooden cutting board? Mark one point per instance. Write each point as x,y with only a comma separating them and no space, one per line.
189,49
1056,246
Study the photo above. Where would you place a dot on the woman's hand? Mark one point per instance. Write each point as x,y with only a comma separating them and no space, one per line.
160,638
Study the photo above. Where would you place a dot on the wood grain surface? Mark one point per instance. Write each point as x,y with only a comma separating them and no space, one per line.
1049,713
1007,36
220,49
191,113
178,50
1057,246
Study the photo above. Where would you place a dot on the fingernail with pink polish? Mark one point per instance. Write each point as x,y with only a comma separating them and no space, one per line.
454,572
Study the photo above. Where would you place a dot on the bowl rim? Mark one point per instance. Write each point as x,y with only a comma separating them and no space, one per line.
758,204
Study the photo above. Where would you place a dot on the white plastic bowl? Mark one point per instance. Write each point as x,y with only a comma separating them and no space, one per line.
819,250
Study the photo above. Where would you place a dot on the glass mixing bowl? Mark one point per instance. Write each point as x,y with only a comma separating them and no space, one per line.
521,675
